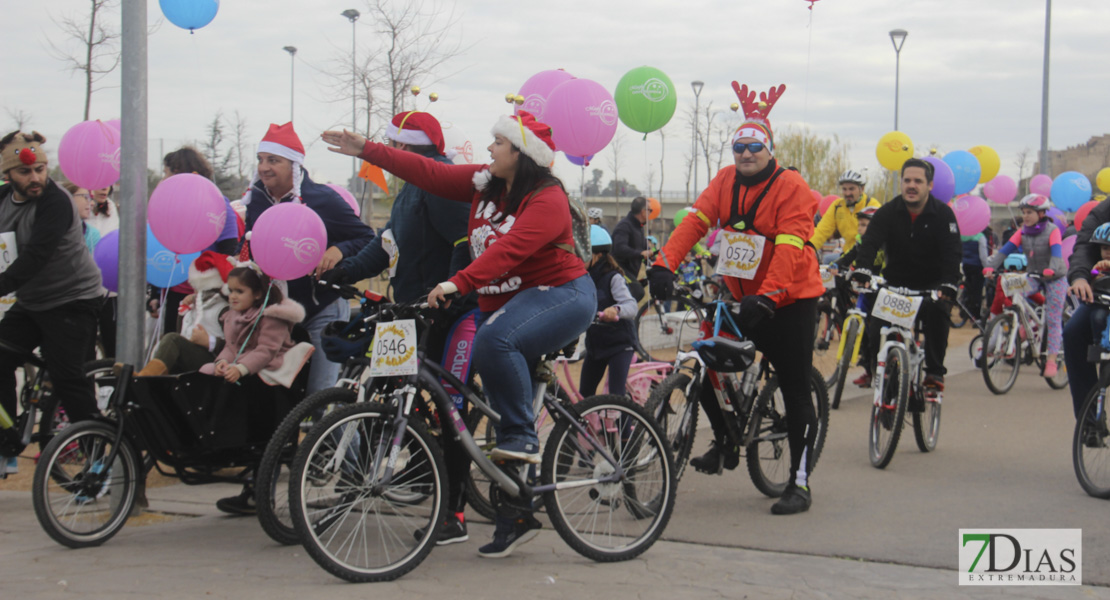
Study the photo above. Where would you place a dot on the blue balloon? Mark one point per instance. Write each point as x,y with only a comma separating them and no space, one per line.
1070,190
164,267
965,170
190,14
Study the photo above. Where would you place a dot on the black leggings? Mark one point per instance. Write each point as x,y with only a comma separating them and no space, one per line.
787,341
593,369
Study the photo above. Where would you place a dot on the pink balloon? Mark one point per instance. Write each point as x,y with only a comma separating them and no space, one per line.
816,196
116,123
1083,212
973,214
1041,184
1067,246
347,196
288,241
89,154
187,213
537,90
582,116
1001,189
825,203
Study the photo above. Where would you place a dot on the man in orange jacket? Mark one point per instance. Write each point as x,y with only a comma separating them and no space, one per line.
766,213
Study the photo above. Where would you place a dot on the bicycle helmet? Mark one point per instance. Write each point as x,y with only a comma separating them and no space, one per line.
851,176
1036,201
600,240
653,241
594,213
339,344
1101,236
1015,262
867,213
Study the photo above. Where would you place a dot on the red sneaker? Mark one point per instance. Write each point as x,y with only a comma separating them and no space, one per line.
863,381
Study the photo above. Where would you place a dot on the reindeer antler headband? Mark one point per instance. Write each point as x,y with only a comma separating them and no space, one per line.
756,124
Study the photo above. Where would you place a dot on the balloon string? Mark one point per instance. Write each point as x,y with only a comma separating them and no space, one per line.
805,96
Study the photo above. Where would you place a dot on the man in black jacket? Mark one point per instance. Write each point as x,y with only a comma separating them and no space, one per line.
923,251
630,244
1086,325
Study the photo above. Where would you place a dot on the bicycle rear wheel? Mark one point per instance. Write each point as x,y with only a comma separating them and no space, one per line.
80,500
887,416
616,520
844,361
1000,363
351,523
1090,451
768,454
826,342
677,414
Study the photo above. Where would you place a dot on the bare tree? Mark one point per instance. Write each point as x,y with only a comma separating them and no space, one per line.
662,153
820,159
244,158
616,148
1020,160
20,117
97,42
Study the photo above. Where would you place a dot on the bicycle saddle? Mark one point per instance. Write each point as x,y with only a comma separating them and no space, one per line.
725,355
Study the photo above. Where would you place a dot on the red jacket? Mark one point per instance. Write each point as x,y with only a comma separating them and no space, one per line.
788,271
525,253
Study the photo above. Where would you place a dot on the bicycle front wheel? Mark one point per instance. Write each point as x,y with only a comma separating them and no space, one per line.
1090,451
617,520
677,414
1000,362
890,411
351,522
80,499
826,341
768,454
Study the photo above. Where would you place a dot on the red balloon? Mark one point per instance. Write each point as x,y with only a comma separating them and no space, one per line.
817,196
1083,212
826,203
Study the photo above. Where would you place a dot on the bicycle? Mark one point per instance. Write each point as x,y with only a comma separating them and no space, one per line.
1019,335
830,325
847,351
659,329
606,466
1090,447
755,418
898,374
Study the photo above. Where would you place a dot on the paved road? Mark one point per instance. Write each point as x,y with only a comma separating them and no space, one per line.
1002,461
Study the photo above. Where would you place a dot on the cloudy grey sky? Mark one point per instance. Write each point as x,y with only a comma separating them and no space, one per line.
970,73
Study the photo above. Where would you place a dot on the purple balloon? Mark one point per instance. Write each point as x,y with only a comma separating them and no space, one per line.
1057,217
582,116
972,214
1001,189
581,161
1041,184
944,182
106,255
187,213
537,89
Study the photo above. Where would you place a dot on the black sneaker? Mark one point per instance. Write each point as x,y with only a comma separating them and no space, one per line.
522,531
794,500
242,505
452,532
933,382
528,452
719,457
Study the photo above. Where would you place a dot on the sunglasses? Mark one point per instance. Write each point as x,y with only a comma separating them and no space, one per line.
753,147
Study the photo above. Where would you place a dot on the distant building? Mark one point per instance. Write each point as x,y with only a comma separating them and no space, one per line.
1087,159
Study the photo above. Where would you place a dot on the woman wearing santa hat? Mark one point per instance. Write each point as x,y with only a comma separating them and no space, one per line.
533,291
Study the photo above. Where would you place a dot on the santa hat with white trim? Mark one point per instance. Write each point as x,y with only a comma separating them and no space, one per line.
528,135
416,128
282,141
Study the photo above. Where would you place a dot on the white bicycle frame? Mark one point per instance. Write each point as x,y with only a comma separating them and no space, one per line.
1026,316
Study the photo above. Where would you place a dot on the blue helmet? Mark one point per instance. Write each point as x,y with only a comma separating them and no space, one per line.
1015,262
1101,235
600,240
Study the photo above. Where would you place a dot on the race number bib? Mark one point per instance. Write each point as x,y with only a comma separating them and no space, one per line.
393,351
389,244
8,254
740,254
827,278
1015,284
896,309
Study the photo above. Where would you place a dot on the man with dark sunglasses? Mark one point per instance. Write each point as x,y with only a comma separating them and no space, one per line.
766,216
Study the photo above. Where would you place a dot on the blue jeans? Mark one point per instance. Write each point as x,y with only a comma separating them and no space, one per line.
1083,329
511,340
322,373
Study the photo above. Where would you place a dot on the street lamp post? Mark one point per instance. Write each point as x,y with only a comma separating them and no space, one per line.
352,16
696,85
1044,88
292,50
897,37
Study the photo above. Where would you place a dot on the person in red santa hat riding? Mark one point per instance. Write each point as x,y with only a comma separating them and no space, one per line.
534,293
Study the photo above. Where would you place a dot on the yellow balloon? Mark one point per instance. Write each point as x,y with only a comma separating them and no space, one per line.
893,149
1102,180
989,163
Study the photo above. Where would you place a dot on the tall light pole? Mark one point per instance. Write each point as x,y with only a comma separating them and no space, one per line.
1044,89
897,37
352,16
292,50
696,85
